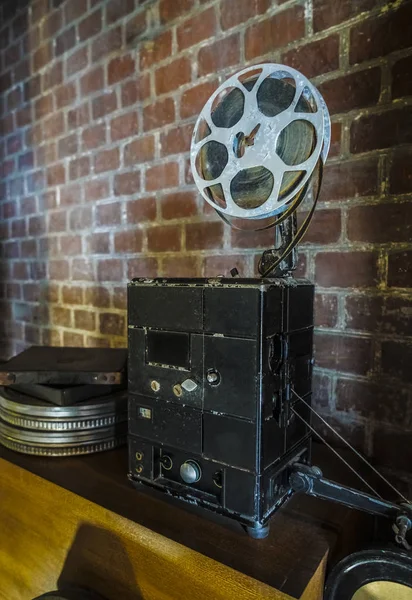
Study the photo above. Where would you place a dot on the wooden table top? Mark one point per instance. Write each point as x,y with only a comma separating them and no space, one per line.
300,533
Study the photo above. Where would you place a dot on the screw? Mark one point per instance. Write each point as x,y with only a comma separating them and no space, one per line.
139,455
177,390
155,385
139,469
213,377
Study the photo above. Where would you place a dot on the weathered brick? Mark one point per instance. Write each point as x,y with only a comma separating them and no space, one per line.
79,116
178,205
127,183
204,236
219,55
138,211
401,78
61,316
77,61
108,214
84,319
314,58
158,114
43,106
120,68
356,90
112,324
335,141
70,194
232,14
68,146
110,269
139,150
64,95
374,132
275,32
325,227
93,137
120,298
164,238
107,42
91,25
392,447
83,270
173,75
180,266
346,269
96,189
221,265
57,221
326,310
396,360
59,269
79,167
74,9
326,15
400,269
382,223
136,90
106,160
141,267
124,126
176,140
251,239
156,50
80,217
343,353
43,55
400,180
97,296
98,243
65,41
350,179
128,242
162,176
70,245
104,104
194,99
172,10
92,81
378,36
196,29
72,294
117,9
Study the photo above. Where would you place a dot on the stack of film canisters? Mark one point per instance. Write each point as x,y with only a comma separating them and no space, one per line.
64,401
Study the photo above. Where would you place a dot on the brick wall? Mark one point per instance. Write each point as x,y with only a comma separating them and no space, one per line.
98,103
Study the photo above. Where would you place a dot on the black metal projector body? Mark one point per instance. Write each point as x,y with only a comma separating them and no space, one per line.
211,364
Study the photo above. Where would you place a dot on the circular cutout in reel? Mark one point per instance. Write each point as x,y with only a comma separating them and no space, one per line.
258,142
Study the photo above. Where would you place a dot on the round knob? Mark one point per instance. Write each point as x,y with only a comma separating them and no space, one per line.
190,472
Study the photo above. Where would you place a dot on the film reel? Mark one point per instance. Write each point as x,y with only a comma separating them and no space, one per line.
259,144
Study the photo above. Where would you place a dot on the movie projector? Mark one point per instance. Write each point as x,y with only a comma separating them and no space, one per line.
220,368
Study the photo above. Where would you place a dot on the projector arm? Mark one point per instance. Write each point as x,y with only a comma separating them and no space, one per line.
309,480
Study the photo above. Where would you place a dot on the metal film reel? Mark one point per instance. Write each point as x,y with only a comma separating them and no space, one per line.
258,143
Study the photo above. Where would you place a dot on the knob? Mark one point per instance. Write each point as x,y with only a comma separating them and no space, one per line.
213,377
190,472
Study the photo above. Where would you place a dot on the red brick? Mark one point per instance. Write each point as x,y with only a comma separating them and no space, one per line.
74,9
23,117
97,296
325,227
397,360
43,106
65,41
81,217
314,58
70,245
275,32
28,249
124,126
42,56
400,269
106,160
164,238
14,143
26,161
363,312
20,270
142,267
37,225
12,54
53,125
82,270
392,448
94,342
139,150
343,353
77,61
32,88
94,136
57,221
64,95
158,114
28,205
382,223
72,294
251,239
96,190
356,90
74,340
233,14
127,242
179,205
401,78
14,99
204,236
381,35
173,75
90,26
68,146
400,174
194,99
350,179
219,55
79,116
346,269
196,29
336,137
11,250
176,140
172,10
162,176
326,310
92,81
116,9
119,68
48,200
127,183
98,243
120,298
139,211
112,324
326,15
156,50
104,104
79,167
107,42
221,265
374,132
70,194
52,76
135,27
59,269
110,270
108,214
180,266
136,90
61,316
84,319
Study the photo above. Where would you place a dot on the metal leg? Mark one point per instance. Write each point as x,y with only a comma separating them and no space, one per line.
258,531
